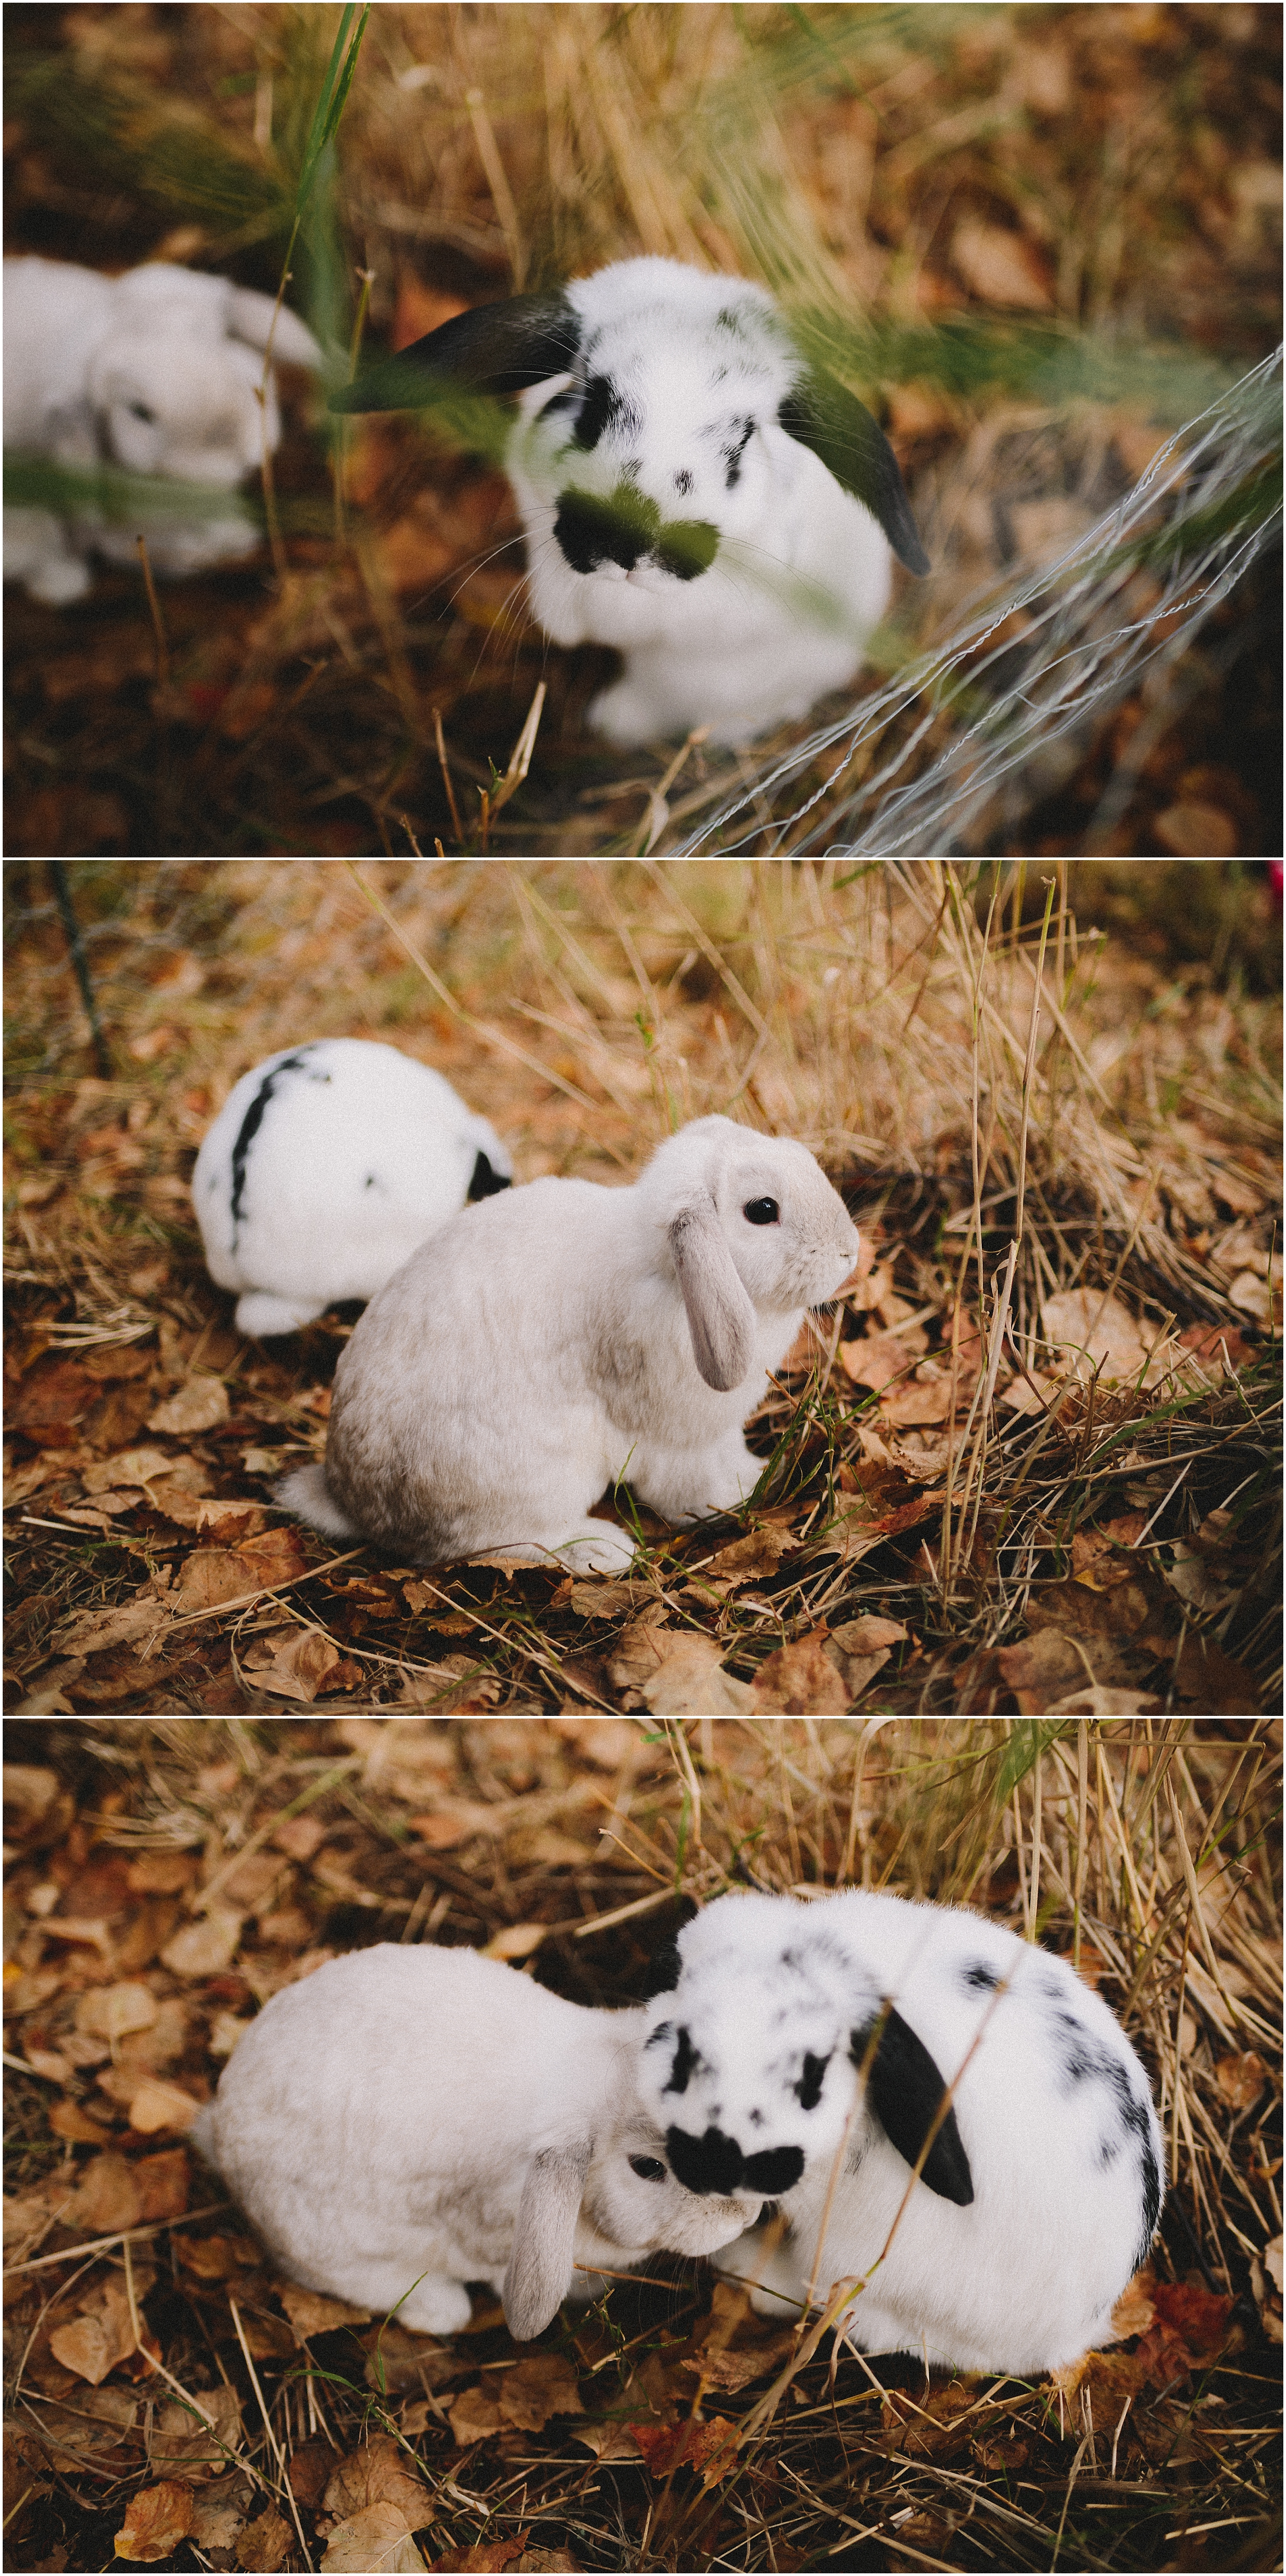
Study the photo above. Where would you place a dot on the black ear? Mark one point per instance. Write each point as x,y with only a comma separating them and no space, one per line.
485,1182
904,2089
496,349
664,1969
824,415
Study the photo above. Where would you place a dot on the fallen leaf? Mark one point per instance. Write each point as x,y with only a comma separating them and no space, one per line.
866,1636
308,2469
94,1631
158,2519
378,2474
299,1670
311,2314
1088,1328
1000,267
184,2442
161,2106
516,1941
485,2558
300,1837
99,2338
602,1598
138,1467
690,1682
875,1360
66,2119
710,2447
636,1654
217,2258
205,1947
1135,2310
107,2198
1214,1683
162,1873
97,2422
608,2438
538,2389
475,2414
109,2012
164,2183
548,2562
266,2543
750,1559
219,2511
608,1742
1273,2259
930,2423
1241,2080
198,1406
1094,1699
800,1680
924,1399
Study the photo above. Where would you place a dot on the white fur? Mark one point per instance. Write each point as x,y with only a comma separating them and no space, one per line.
358,1155
409,2119
802,573
1025,2277
83,354
558,1338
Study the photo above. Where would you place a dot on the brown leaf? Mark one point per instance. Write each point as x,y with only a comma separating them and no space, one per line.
690,1682
96,1630
96,2422
108,2197
485,2558
749,1559
1241,2080
636,1655
1000,267
266,2543
1201,2316
198,1406
162,1873
97,2340
875,1360
311,2314
217,2258
219,2511
475,2414
203,1948
375,2542
930,2423
300,1837
930,1398
800,1680
300,1669
378,2474
308,2470
608,2438
161,2106
1135,2310
710,2447
548,2562
1213,1683
183,2443
399,2360
607,1742
158,2519
66,2119
137,1467
539,2388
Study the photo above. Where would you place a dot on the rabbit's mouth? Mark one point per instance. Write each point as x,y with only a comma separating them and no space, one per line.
624,532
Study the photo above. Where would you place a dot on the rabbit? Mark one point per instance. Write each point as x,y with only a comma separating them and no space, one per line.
408,2119
157,372
693,490
823,2035
325,1168
547,1344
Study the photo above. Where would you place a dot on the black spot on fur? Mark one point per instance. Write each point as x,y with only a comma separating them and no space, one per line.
809,2088
252,1122
1151,2199
711,2163
904,2090
774,2168
604,407
686,547
728,320
592,531
1083,2060
484,1181
982,1977
683,480
663,1971
685,2058
733,453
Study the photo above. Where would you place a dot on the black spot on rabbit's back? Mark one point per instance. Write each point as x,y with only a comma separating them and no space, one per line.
686,2060
253,1120
979,1977
604,407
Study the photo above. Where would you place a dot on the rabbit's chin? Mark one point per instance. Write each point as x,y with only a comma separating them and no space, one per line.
646,606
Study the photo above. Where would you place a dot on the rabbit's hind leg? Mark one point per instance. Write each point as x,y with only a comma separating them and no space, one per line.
686,1485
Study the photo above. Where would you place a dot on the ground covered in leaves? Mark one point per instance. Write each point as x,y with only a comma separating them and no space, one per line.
173,2401
1045,1485
974,188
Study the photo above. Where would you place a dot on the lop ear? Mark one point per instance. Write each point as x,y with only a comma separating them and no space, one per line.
497,349
250,319
540,2266
822,414
905,2090
720,1316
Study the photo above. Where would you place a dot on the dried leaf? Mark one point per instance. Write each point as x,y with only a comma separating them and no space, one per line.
475,2414
636,1656
1214,1683
800,1680
266,2543
110,2012
161,2106
312,2314
1273,2259
97,1630
1087,1328
219,2510
518,1940
866,1636
690,1682
183,2443
90,2427
300,1669
204,1948
96,2340
198,1406
538,2389
158,2519
108,2197
378,2474
135,1467
485,2558
750,1559
1135,2310
375,2542
217,2258
608,2438
1241,2080
930,2423
929,1397
710,2447
399,2360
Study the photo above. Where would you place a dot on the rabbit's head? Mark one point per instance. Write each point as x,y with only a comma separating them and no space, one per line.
761,2053
661,412
174,407
751,1227
624,2197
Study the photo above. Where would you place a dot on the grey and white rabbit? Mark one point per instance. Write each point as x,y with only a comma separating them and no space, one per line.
409,2119
694,490
158,372
555,1340
820,2037
325,1168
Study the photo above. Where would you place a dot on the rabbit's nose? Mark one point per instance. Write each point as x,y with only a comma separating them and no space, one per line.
592,531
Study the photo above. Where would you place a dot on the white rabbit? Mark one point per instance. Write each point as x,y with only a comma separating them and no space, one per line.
325,1168
824,2034
693,490
157,372
550,1342
408,2119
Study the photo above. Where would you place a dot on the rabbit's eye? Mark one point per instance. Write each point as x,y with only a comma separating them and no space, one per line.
140,411
648,2168
761,1212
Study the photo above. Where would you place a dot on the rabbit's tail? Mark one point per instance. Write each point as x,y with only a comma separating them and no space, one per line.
307,1492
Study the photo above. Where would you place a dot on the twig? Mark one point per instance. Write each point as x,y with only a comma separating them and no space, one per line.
446,777
71,927
158,625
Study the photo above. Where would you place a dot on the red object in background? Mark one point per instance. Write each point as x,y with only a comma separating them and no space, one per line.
1275,877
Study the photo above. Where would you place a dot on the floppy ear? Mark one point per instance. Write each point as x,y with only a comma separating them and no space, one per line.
540,2266
822,414
721,1318
496,349
905,2089
250,319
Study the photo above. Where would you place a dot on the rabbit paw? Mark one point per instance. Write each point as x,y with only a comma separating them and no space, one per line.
259,1314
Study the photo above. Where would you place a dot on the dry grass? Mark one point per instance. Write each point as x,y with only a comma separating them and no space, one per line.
1145,1852
1114,1137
